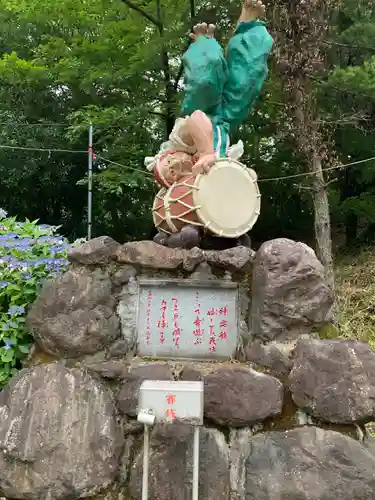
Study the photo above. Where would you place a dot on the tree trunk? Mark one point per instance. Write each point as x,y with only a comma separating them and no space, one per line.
168,86
322,221
169,94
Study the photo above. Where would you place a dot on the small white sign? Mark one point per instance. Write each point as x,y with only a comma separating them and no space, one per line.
172,400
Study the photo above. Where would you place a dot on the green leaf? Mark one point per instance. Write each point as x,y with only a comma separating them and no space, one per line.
24,348
7,356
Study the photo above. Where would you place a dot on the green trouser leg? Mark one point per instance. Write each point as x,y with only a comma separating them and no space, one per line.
247,55
205,70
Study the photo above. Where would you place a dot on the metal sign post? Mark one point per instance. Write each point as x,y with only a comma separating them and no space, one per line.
169,401
196,463
89,191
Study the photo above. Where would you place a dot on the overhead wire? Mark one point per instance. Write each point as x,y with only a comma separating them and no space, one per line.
37,124
145,172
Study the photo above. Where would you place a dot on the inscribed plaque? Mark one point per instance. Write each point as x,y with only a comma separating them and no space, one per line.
180,318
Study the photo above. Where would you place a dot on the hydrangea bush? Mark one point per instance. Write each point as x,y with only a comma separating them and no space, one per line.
29,255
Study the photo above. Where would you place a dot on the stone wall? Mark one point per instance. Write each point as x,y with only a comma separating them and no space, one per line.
285,412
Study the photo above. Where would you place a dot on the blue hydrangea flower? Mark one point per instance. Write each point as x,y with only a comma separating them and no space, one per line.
16,310
8,343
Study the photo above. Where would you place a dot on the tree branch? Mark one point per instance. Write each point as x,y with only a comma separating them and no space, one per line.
157,113
143,13
303,188
181,69
349,46
330,182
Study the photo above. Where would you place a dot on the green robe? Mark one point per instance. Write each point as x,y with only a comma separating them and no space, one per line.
226,88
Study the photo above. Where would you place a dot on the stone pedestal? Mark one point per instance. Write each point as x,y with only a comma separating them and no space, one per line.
285,411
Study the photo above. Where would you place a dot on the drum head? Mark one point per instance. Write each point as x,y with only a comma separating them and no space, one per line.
227,199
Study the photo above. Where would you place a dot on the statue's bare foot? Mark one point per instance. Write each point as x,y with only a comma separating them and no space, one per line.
203,165
203,29
251,10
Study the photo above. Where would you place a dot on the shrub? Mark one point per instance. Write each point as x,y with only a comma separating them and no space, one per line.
356,296
29,254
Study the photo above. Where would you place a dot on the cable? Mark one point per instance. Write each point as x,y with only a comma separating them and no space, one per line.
313,173
52,150
47,150
145,172
349,46
18,124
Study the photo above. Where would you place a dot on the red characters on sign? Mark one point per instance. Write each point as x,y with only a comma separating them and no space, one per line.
198,330
223,326
171,412
212,341
162,323
176,329
223,330
148,318
218,311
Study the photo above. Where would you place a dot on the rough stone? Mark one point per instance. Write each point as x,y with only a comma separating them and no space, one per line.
203,272
232,259
334,380
369,443
127,312
150,254
109,369
302,464
171,457
59,436
96,251
118,349
274,356
75,314
129,393
193,374
192,258
238,397
289,293
123,275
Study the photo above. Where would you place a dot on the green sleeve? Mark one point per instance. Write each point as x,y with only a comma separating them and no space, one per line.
205,70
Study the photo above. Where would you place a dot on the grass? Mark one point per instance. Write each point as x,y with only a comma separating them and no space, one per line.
355,287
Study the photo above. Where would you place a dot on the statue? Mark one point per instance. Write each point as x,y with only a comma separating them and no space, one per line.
219,93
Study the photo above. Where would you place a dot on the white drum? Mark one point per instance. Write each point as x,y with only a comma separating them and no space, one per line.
227,199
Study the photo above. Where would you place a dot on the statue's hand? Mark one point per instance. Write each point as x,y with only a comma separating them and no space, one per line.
203,165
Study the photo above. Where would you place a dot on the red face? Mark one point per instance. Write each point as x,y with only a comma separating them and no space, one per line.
171,167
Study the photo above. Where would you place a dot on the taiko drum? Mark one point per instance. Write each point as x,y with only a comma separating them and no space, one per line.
225,202
158,212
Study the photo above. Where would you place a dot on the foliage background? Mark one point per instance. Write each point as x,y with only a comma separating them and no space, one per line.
65,64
